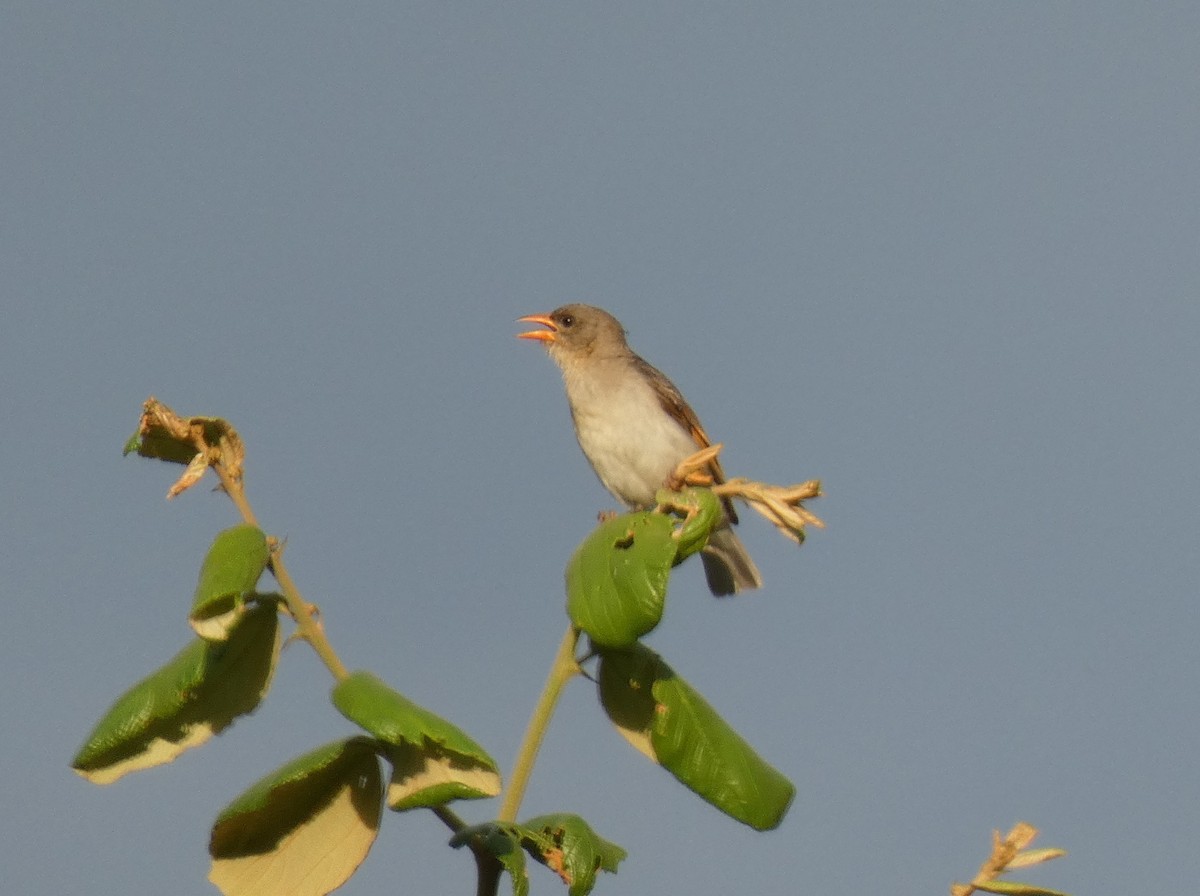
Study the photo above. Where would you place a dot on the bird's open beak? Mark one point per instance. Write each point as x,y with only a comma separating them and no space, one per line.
547,335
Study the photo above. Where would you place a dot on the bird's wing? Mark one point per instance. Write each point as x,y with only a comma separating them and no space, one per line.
673,403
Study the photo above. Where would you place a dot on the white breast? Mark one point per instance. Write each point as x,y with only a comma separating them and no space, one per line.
631,442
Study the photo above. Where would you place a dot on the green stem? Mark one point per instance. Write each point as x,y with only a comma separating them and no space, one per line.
487,867
305,616
301,611
564,668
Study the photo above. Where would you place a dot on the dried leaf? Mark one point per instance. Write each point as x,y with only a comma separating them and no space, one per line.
780,504
199,442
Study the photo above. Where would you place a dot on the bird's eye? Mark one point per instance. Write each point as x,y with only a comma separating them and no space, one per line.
567,320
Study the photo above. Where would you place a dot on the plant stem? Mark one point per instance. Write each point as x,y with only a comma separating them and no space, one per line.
565,666
302,612
487,867
305,615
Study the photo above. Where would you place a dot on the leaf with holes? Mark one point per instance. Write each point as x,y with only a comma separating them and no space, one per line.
617,578
568,846
503,841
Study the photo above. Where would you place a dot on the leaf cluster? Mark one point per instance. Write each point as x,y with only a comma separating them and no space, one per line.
616,594
276,836
305,827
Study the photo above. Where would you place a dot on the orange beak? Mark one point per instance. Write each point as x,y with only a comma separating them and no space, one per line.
547,335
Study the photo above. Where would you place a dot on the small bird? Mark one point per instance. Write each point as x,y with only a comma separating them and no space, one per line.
634,426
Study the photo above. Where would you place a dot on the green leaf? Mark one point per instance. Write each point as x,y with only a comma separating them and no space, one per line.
433,762
233,566
701,511
562,842
197,694
667,720
502,841
303,829
567,845
617,578
392,717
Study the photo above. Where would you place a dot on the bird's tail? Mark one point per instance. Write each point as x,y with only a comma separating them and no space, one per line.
727,566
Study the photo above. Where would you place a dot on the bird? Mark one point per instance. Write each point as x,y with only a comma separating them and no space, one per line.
634,426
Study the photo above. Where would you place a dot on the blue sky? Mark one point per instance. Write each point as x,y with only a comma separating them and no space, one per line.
945,257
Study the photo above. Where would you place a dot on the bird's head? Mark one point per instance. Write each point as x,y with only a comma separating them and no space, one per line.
574,332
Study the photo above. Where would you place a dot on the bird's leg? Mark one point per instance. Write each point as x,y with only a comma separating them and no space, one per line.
676,502
701,512
696,469
691,504
677,483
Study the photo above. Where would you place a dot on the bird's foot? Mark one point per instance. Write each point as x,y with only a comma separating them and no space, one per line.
695,470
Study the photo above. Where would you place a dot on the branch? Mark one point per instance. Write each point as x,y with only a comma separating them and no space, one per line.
167,436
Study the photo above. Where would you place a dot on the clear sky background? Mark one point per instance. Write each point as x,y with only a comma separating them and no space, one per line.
945,257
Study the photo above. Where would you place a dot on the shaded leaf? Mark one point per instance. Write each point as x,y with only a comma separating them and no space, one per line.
625,683
617,578
433,761
665,718
197,694
502,841
232,567
567,845
429,776
305,828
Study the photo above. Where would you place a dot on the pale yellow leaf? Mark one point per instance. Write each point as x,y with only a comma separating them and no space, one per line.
440,775
158,751
317,856
1035,857
191,475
